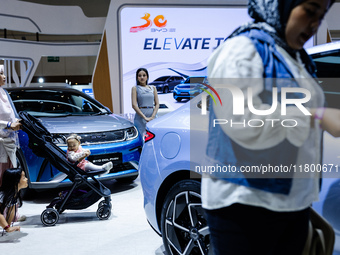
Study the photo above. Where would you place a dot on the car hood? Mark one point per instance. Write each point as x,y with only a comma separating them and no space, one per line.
85,124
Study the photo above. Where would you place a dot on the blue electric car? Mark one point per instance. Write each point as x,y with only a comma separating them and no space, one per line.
63,110
177,141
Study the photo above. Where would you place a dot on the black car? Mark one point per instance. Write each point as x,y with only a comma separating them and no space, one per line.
166,83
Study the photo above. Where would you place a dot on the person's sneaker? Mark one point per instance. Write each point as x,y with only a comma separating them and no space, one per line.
107,166
22,218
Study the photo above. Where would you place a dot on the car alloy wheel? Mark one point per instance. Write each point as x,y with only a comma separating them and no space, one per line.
183,223
166,90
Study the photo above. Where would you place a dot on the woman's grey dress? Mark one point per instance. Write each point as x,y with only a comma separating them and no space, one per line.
145,98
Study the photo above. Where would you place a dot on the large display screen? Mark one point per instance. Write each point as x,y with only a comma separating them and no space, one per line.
172,40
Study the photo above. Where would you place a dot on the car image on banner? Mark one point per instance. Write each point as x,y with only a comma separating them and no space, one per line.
171,187
63,111
166,84
190,88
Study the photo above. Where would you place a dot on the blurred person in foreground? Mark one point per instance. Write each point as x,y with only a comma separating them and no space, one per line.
248,214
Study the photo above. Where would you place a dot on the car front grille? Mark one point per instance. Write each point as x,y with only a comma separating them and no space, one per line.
122,167
100,137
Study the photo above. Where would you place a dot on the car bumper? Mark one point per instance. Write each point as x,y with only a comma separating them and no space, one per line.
184,95
43,175
159,89
67,183
150,181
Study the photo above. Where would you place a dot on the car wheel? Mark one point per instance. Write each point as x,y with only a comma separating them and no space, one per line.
166,90
183,223
178,99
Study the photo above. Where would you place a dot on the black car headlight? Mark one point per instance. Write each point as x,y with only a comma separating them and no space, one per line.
131,133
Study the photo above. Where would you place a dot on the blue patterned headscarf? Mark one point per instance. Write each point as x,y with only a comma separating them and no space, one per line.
274,13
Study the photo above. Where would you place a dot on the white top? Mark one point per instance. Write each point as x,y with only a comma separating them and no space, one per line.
74,156
238,58
8,138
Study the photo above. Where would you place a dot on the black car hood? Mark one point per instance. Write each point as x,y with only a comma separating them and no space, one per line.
85,124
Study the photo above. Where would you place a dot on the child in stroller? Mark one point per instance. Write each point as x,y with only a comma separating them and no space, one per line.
75,153
41,142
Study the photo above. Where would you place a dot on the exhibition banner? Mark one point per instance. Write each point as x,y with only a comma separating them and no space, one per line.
172,41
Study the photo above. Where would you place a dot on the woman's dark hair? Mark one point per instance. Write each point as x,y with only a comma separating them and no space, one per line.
137,72
9,187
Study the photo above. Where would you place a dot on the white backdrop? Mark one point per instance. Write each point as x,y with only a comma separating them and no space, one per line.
182,46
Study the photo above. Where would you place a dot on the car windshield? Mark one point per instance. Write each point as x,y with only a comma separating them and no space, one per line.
195,80
328,64
52,103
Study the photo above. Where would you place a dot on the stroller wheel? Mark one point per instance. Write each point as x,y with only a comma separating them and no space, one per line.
102,203
103,213
49,217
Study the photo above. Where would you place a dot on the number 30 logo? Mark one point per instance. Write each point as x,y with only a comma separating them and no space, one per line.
159,21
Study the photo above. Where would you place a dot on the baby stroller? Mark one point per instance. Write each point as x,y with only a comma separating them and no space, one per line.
41,143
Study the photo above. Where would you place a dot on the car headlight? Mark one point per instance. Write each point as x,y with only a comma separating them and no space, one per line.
131,133
59,140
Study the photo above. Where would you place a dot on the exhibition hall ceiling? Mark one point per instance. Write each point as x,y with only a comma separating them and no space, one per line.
91,8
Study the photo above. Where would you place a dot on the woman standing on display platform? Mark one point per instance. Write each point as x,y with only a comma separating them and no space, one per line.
144,100
8,127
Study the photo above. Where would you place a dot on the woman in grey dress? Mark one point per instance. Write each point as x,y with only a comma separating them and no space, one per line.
144,100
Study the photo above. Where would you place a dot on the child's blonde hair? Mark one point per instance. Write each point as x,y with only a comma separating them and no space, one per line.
73,136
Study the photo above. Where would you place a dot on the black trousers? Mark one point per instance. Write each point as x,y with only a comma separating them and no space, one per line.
248,230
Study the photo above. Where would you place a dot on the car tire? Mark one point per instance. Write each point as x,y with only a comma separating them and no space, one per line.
178,99
166,90
183,223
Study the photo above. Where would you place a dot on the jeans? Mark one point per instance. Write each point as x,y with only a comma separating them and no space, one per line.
246,230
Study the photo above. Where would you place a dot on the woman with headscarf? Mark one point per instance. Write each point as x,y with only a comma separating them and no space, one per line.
250,213
8,127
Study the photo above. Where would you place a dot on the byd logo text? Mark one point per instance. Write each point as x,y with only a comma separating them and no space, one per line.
159,21
239,102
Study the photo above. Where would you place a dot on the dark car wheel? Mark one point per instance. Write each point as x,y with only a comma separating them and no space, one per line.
166,90
183,224
178,99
